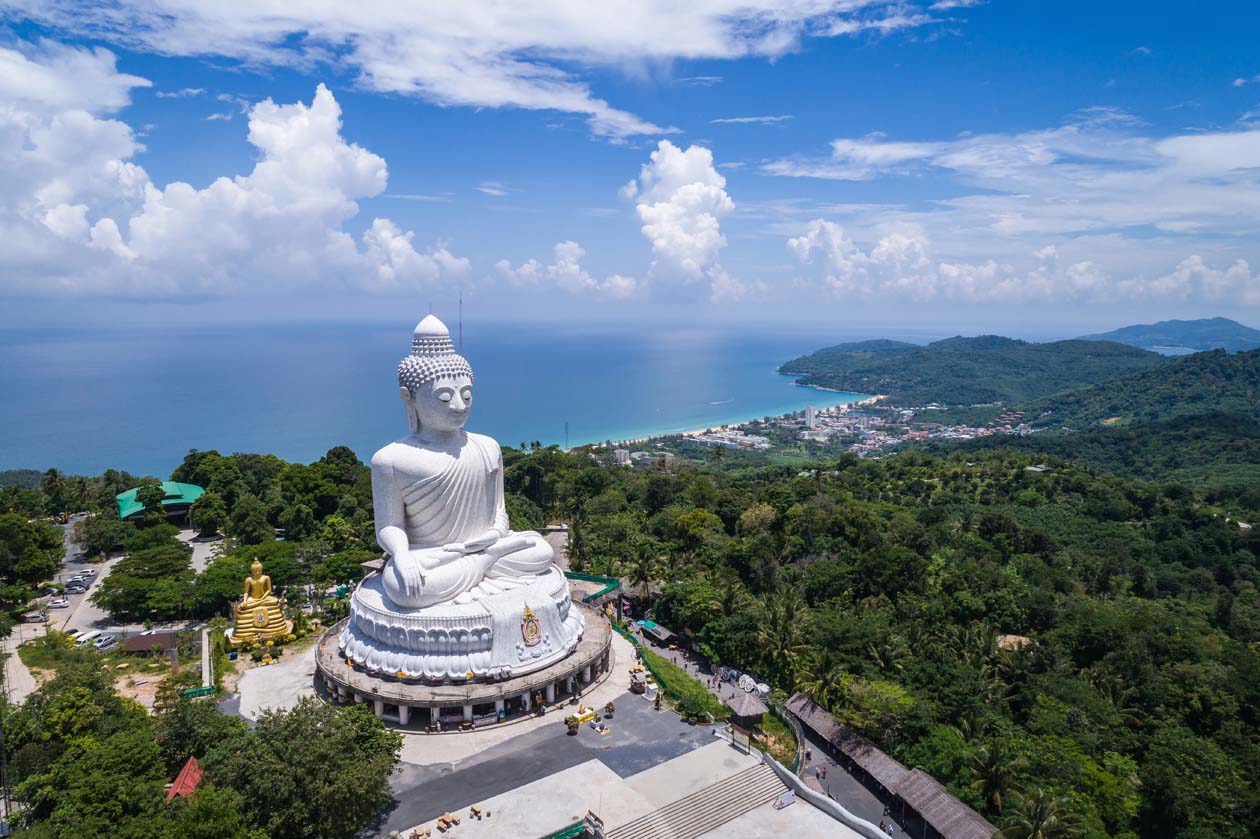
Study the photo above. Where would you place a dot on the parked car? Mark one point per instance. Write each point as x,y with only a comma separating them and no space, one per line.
76,581
59,603
105,642
88,573
76,589
37,617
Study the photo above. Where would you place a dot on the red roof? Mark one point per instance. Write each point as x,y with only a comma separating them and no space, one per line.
187,781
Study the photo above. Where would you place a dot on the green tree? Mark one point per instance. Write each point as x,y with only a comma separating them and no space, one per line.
209,514
1037,814
30,552
185,728
249,523
53,486
996,771
1191,786
299,523
101,535
210,813
338,533
150,495
325,770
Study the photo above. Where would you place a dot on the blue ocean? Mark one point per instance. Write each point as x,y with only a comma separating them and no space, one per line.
139,398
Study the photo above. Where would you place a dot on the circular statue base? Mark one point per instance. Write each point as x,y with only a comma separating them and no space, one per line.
455,705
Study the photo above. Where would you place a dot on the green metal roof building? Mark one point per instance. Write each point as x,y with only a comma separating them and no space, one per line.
176,501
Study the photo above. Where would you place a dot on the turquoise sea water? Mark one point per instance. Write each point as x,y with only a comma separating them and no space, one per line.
138,399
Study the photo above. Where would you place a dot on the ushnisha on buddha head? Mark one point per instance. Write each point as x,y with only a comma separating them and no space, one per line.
434,381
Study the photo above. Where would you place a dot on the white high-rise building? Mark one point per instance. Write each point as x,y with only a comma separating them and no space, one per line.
811,418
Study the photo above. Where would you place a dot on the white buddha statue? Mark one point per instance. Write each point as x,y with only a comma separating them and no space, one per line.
438,492
460,592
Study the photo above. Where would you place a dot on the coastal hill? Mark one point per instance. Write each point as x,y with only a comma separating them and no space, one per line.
1203,334
1194,419
1208,382
966,371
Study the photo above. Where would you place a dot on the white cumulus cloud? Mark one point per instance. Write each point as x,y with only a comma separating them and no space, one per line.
681,199
479,52
899,265
566,273
78,216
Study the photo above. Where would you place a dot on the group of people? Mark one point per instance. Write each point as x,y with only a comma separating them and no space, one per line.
886,827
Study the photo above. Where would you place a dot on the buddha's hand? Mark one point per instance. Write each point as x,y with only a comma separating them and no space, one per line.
408,575
475,546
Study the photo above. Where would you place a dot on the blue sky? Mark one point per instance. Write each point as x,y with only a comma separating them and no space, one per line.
987,164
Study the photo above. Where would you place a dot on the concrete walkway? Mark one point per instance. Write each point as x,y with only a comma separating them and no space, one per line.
278,686
18,681
203,550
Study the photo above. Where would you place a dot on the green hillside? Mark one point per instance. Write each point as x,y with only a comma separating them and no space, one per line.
1203,334
1208,382
965,371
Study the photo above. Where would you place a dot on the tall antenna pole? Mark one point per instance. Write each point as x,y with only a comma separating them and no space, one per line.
566,435
461,320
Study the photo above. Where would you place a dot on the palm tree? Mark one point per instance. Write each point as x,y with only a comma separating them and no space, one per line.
731,598
889,652
970,727
973,645
821,677
996,770
781,635
1039,815
578,549
642,569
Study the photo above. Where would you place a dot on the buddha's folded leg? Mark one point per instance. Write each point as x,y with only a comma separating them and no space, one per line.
533,557
408,582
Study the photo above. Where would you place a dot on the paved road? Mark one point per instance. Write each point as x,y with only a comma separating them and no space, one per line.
559,541
640,739
203,549
85,616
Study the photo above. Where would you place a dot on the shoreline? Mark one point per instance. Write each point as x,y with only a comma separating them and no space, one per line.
696,432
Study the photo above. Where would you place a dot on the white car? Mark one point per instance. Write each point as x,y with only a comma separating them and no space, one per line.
59,603
105,642
88,573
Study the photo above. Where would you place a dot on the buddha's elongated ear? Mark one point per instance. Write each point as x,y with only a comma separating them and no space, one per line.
413,421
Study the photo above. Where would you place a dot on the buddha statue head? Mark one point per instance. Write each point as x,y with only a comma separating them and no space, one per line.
434,381
255,569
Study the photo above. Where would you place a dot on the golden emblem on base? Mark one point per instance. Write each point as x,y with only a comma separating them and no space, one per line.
531,632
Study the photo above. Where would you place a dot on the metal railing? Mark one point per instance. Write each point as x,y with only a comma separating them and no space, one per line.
610,584
791,722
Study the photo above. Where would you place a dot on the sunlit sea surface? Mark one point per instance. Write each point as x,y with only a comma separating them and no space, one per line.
87,399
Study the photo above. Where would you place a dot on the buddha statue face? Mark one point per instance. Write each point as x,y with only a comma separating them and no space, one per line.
441,405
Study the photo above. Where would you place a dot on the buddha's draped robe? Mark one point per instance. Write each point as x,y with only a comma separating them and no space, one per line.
458,503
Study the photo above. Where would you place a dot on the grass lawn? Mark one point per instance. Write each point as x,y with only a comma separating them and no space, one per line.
50,651
778,739
680,681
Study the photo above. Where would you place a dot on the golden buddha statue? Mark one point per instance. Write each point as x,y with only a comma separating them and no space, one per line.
259,615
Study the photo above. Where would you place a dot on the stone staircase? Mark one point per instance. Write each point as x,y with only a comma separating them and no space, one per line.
705,809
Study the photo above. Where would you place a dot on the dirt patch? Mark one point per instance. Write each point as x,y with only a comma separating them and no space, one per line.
141,687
